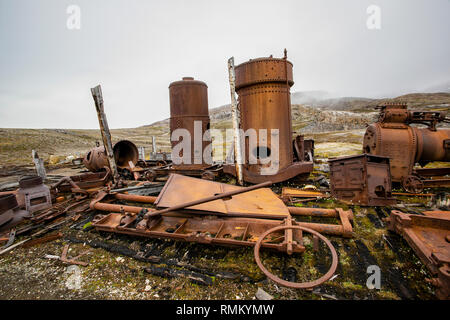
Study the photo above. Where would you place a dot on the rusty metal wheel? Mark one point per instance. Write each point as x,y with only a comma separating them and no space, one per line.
412,184
297,285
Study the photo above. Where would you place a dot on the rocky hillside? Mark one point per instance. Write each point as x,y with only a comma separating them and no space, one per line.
317,114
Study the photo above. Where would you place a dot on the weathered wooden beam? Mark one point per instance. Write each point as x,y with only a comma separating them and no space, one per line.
235,114
104,129
39,165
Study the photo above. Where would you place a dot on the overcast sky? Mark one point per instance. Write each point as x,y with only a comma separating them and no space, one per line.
134,49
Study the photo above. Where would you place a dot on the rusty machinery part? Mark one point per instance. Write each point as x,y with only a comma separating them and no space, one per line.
393,137
189,111
263,87
124,151
73,260
343,229
10,213
208,230
303,285
362,179
209,175
428,236
412,184
7,203
33,195
150,175
303,149
161,163
84,181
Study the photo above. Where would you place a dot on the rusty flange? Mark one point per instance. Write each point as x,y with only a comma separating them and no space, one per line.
296,285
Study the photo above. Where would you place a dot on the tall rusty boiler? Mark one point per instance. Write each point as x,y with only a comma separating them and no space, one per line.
263,88
189,110
393,136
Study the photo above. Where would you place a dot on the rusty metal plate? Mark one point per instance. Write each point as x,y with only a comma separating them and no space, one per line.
257,203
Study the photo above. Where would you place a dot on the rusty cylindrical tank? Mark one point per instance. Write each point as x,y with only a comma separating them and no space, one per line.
189,110
124,151
393,137
263,88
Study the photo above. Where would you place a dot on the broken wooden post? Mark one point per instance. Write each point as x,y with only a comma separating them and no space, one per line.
235,114
104,129
39,164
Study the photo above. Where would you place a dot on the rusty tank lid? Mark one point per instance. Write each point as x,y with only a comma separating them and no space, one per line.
30,182
187,81
264,70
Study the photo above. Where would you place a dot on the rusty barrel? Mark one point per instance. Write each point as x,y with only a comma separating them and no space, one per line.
263,86
189,111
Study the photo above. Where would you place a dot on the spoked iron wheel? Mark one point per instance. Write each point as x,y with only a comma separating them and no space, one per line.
412,184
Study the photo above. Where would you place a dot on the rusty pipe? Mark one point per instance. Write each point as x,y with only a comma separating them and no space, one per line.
316,212
116,207
135,198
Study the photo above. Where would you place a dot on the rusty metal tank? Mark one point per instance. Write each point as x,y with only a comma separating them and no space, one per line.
263,88
124,151
189,110
393,136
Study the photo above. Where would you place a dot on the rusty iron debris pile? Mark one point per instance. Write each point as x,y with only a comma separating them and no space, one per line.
162,198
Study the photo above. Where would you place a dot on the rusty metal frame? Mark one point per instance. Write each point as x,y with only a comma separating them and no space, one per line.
429,237
361,180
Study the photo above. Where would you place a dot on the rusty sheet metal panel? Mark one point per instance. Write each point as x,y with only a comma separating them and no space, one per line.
362,179
393,137
429,237
189,103
257,203
263,87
